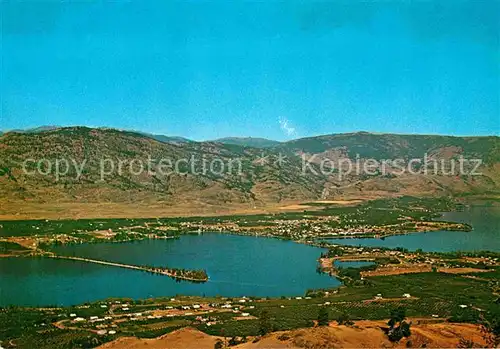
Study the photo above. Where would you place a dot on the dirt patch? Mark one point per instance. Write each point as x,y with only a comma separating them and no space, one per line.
398,270
295,207
445,335
339,202
245,318
462,270
326,263
184,338
369,334
364,334
23,241
147,208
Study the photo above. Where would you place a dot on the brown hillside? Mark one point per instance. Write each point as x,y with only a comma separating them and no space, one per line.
365,334
257,179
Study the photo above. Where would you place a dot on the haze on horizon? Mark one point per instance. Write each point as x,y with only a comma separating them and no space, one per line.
272,70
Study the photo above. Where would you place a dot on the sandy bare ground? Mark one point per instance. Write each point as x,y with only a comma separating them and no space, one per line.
339,202
184,338
368,334
462,270
58,210
326,263
23,241
19,209
295,207
398,270
78,210
364,334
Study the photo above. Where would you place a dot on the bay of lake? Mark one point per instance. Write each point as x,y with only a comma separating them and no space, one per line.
485,235
236,265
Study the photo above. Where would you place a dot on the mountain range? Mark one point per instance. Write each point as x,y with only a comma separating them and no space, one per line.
264,173
244,141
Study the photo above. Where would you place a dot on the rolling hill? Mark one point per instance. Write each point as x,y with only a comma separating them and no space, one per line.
167,139
177,177
249,142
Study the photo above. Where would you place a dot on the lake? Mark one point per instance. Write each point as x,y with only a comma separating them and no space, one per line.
485,235
236,265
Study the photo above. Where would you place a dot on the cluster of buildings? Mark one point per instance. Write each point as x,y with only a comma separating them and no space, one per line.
123,312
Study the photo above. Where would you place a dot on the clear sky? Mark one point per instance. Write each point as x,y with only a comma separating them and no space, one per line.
279,70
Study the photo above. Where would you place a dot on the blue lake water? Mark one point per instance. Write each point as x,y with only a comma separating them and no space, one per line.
485,235
237,266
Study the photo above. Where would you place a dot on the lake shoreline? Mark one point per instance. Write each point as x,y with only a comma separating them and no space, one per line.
224,283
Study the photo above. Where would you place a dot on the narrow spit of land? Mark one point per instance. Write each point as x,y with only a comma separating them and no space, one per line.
173,273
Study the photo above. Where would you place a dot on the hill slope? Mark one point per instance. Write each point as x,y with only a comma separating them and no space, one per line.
168,139
249,142
390,146
365,334
104,168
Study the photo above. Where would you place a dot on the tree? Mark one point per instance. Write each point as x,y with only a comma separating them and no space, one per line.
323,316
398,328
264,323
233,341
491,331
397,315
344,319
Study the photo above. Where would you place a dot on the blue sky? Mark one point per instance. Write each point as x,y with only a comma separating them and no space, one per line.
279,70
